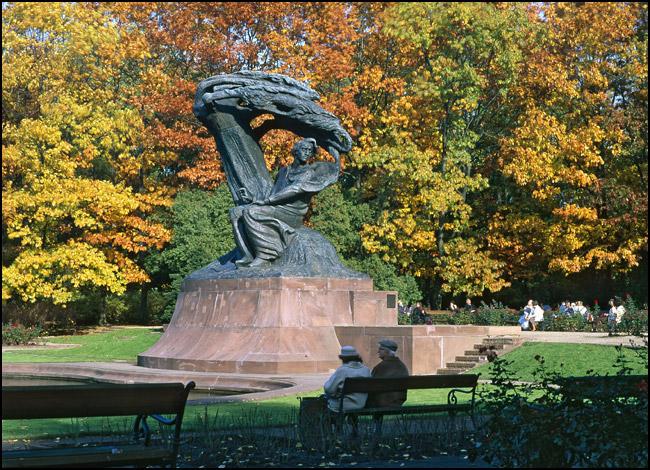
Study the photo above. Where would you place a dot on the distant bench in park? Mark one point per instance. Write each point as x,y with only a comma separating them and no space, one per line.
608,387
76,401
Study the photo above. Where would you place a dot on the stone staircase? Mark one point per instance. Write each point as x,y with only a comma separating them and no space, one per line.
479,354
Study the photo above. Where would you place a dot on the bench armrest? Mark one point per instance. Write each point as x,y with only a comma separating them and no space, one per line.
452,399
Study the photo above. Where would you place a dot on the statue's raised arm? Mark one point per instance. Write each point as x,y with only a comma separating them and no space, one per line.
226,105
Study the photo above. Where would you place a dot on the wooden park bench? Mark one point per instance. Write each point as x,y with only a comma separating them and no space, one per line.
604,387
457,383
76,401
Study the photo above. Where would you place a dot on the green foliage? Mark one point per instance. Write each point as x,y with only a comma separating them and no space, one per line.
555,321
334,216
635,320
15,334
202,232
494,314
338,216
576,425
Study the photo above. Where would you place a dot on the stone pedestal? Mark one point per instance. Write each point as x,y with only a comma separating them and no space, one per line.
266,325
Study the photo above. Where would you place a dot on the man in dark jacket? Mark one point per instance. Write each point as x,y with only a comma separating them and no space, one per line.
390,366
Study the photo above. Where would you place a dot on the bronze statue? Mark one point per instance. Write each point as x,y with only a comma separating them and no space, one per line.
268,217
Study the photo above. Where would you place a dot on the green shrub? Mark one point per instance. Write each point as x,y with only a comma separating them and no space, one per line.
635,320
14,334
493,314
562,322
539,425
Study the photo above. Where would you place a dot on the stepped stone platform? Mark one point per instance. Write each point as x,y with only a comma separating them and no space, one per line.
266,325
287,325
479,354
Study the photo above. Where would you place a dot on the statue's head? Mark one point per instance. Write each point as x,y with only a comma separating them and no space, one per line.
304,149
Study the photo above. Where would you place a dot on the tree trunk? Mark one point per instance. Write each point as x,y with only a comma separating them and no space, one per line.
144,311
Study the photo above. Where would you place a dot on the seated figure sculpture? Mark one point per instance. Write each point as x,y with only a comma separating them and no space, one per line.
264,228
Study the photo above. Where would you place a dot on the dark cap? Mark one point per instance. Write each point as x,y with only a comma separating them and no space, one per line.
388,344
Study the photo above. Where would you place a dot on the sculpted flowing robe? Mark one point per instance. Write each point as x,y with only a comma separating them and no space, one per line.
270,228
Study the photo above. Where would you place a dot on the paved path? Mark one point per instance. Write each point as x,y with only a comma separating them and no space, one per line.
579,338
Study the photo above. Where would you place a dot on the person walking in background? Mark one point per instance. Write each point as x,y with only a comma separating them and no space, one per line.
418,317
538,315
523,322
614,316
453,307
469,308
529,319
611,318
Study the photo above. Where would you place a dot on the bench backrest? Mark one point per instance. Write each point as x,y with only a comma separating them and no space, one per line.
70,401
605,386
395,384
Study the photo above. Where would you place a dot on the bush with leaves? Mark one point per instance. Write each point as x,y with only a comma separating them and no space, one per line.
542,425
635,320
202,233
493,314
14,334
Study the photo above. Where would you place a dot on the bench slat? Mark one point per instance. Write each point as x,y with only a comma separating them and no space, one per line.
74,401
375,384
411,409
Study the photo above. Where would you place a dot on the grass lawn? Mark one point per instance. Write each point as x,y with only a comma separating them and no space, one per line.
125,344
116,344
570,360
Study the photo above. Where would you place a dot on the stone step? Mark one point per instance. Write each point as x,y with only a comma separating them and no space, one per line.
461,365
474,352
474,359
499,341
486,346
448,371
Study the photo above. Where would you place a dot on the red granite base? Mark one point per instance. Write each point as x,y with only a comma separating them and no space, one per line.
271,325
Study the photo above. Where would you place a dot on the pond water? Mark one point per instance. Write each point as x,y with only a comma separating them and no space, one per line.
26,381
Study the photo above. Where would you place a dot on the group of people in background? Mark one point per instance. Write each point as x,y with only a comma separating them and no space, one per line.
416,313
532,316
574,308
468,307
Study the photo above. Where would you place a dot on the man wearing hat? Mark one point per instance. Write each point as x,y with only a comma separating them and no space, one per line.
352,367
390,366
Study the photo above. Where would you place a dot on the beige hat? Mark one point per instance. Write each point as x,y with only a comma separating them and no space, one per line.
348,351
388,344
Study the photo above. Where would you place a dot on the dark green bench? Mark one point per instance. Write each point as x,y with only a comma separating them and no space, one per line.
465,383
76,401
603,387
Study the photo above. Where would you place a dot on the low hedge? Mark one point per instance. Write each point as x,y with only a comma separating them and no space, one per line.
14,334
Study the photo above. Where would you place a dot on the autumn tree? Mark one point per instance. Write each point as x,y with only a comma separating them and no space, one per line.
459,63
575,163
78,179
